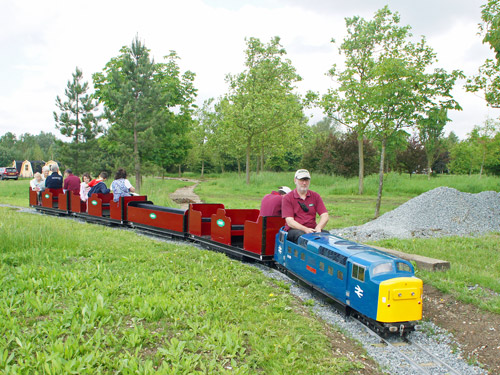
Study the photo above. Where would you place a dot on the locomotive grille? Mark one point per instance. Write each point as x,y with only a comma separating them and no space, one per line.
336,257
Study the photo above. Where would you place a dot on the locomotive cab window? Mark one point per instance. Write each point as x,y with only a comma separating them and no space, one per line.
358,272
403,267
382,268
302,256
295,252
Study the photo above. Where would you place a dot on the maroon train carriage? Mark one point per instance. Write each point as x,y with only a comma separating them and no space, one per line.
227,225
77,205
157,219
200,218
240,233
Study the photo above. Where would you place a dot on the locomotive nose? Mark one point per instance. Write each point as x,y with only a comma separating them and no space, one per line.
400,299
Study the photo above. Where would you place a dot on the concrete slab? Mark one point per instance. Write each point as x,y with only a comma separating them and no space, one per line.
428,264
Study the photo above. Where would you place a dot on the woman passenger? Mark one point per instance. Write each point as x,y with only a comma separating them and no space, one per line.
121,187
84,187
37,184
45,172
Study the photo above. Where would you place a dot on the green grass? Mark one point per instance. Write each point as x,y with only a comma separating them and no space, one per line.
475,266
86,299
15,192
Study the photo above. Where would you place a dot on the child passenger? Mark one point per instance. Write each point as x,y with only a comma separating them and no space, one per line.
121,187
84,187
99,187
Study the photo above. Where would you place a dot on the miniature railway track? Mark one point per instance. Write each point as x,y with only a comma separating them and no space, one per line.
418,358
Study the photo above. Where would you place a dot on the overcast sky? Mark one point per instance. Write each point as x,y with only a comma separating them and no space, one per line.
42,42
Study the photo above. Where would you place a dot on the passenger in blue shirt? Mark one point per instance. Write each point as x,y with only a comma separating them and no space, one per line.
100,187
55,180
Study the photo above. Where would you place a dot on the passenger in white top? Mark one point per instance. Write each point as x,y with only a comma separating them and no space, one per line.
121,187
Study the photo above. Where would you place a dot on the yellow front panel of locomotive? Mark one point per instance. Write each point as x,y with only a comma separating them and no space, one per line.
400,300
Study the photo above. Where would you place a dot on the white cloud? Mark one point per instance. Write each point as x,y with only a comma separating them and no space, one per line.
45,41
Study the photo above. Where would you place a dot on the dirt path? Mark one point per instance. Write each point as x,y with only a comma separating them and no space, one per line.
185,195
475,331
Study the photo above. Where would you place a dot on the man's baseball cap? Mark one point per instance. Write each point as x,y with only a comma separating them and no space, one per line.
302,173
284,189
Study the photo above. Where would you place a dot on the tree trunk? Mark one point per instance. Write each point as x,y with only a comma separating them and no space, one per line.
482,164
180,171
361,158
248,164
381,178
262,159
239,167
429,169
137,162
202,168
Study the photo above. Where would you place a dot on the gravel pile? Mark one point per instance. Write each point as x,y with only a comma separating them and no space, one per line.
440,212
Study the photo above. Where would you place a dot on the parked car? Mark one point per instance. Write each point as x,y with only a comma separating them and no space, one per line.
9,173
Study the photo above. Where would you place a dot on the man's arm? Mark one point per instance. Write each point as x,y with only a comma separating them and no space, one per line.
292,223
323,219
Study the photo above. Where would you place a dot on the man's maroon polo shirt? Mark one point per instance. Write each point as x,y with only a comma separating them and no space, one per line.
271,204
290,208
72,183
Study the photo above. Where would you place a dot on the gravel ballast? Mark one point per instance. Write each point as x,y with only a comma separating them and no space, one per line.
439,212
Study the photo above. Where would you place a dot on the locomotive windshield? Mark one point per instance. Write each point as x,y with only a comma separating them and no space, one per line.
403,267
382,268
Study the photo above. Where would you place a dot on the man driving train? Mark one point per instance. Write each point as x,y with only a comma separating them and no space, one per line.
299,208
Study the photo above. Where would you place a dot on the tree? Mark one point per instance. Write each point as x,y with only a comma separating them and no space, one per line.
397,89
413,158
431,128
347,102
483,137
336,154
465,158
202,131
78,122
140,97
260,110
488,79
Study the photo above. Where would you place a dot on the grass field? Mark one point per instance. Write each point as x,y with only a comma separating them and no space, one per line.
89,299
78,298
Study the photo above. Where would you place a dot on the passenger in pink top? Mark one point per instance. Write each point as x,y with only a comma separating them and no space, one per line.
299,208
271,203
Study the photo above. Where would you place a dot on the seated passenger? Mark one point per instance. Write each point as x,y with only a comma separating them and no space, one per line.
84,187
45,172
71,182
299,208
55,180
271,203
121,187
37,184
100,187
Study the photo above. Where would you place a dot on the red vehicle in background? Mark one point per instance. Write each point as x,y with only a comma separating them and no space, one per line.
9,173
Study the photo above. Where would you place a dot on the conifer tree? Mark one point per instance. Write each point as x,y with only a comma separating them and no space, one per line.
77,121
